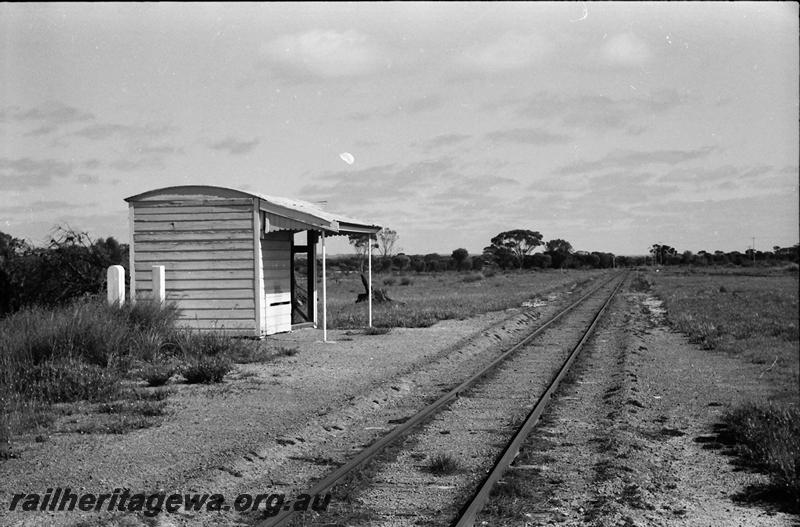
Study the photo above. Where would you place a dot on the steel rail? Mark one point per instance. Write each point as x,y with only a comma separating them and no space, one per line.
471,510
401,430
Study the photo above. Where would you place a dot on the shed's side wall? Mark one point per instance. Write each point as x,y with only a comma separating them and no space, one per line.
206,247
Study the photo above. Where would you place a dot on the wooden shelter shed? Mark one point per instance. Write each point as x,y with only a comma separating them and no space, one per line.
228,255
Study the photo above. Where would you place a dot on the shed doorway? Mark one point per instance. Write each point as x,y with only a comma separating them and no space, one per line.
304,279
276,250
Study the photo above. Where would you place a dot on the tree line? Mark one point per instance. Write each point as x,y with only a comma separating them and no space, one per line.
516,249
661,254
70,264
512,249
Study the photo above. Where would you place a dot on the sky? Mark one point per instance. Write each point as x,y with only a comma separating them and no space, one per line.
610,125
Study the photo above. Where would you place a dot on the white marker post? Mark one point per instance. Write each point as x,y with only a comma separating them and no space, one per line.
115,278
324,295
369,282
159,284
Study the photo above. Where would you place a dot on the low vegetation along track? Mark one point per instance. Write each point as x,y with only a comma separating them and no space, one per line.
438,467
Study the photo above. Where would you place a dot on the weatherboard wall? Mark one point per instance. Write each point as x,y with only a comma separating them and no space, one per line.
208,248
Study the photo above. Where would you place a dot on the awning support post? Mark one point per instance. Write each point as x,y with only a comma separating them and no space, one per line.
369,282
324,294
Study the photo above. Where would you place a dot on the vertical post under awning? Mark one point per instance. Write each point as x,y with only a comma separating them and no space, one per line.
369,282
324,295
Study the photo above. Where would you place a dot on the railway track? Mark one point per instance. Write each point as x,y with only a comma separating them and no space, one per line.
480,423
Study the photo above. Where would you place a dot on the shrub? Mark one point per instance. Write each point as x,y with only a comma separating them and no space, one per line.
157,374
206,370
286,352
70,266
768,438
472,278
389,281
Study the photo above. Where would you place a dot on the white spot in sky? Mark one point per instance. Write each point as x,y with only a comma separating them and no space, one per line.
347,157
584,16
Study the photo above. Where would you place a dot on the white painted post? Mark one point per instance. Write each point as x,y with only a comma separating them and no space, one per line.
316,306
115,278
159,284
132,253
369,282
324,295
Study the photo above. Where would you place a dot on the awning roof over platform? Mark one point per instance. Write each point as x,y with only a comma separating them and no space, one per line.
282,213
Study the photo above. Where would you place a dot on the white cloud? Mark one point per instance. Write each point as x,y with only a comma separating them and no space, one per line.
512,51
323,53
625,49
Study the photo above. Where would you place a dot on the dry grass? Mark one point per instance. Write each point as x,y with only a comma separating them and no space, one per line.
86,350
754,316
767,437
432,297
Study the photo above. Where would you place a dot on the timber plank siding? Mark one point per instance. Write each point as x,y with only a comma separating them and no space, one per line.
206,248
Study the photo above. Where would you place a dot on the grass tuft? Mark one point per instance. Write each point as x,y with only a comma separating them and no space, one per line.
206,370
376,331
442,464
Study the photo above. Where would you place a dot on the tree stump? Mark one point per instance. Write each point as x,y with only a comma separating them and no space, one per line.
379,296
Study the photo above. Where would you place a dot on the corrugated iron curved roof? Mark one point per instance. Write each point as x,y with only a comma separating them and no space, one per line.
294,209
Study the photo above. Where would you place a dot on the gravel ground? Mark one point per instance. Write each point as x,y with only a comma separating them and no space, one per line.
270,427
631,440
